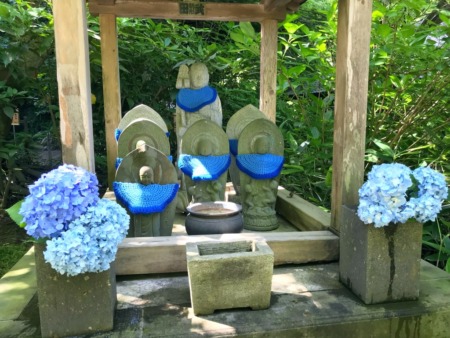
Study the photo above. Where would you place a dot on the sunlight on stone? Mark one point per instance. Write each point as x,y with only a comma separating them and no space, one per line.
18,272
13,286
121,298
205,325
287,283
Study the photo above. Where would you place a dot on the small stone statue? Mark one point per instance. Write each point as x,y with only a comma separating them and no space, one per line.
235,125
204,161
146,185
260,160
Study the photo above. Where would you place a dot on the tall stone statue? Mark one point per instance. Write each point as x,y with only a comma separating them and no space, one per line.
195,101
260,160
204,161
146,185
235,125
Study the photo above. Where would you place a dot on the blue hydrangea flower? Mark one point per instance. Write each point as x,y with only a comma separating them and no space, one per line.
91,241
57,198
383,198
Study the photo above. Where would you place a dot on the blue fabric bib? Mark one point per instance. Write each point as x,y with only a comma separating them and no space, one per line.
260,166
145,199
233,146
204,168
191,100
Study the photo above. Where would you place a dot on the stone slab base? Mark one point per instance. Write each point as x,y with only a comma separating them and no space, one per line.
307,301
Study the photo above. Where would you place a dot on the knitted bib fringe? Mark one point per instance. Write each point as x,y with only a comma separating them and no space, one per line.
260,166
145,199
204,168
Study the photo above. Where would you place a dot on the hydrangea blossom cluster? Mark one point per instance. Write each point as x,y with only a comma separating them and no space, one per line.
384,196
56,199
90,244
83,230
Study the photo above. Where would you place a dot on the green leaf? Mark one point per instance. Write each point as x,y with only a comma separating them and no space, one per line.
385,149
290,27
447,266
13,212
247,29
8,111
315,132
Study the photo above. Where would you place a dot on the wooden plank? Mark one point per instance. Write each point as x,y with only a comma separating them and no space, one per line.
300,213
268,69
111,88
74,86
352,68
146,255
170,10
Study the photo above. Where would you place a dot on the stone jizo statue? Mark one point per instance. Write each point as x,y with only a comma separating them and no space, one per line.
260,160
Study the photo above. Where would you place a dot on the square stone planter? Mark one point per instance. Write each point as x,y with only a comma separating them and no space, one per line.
225,275
379,264
69,306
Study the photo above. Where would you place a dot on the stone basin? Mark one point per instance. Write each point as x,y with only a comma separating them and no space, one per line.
214,218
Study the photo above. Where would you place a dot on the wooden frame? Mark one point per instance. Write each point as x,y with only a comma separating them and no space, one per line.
354,26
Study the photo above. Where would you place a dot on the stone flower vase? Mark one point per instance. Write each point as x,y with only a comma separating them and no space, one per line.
69,306
379,265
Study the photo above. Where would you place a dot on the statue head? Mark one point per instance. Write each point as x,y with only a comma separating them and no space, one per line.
261,145
204,147
199,76
146,175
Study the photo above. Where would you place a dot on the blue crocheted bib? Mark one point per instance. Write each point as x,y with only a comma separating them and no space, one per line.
233,146
117,133
145,199
260,166
191,100
204,168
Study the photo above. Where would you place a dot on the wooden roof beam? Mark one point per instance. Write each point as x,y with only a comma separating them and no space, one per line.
171,10
270,5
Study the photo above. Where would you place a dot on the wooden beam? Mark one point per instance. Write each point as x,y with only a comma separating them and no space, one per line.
268,68
303,215
111,88
171,10
270,5
352,68
74,86
168,254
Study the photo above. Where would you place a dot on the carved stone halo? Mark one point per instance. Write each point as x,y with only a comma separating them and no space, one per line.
201,131
142,130
142,111
241,119
257,129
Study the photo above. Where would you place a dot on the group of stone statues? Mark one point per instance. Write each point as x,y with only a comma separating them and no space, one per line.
152,188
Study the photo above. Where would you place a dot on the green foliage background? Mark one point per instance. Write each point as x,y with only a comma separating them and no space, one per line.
408,104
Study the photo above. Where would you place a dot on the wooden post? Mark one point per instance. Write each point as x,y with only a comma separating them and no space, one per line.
74,86
111,88
352,68
268,71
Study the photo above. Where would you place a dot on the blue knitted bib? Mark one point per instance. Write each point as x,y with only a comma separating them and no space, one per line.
191,100
260,166
204,168
145,199
233,146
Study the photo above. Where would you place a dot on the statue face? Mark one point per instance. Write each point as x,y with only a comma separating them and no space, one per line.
204,147
261,145
146,175
199,76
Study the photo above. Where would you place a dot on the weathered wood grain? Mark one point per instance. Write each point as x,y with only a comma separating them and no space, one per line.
168,254
268,68
74,86
352,69
111,88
